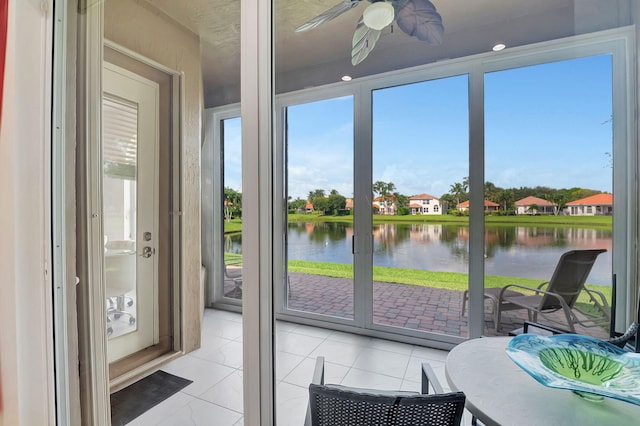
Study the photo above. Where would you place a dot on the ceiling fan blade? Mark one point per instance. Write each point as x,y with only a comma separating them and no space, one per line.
364,40
419,19
327,15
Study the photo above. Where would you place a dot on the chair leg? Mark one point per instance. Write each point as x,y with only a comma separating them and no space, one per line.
567,313
475,422
465,296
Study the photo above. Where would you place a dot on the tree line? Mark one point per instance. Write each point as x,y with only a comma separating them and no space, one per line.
333,203
506,197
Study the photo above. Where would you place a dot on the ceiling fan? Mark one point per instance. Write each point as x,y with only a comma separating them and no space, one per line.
418,18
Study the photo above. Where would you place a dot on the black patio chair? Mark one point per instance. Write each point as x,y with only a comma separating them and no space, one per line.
331,405
561,293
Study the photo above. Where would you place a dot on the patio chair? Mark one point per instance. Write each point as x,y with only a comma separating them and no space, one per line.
233,273
331,405
492,294
561,293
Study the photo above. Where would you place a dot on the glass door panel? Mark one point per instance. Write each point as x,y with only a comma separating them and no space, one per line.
420,159
119,206
130,210
548,181
232,207
319,144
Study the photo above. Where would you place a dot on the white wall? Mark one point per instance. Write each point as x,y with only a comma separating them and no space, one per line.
25,299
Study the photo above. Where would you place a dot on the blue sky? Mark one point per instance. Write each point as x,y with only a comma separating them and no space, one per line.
545,125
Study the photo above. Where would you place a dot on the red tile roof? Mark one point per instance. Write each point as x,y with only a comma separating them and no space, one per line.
487,203
594,200
390,197
423,197
527,201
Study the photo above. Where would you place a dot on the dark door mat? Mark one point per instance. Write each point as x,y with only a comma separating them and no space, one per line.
135,399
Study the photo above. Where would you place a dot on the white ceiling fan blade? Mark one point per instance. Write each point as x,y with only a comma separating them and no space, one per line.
364,40
419,19
328,15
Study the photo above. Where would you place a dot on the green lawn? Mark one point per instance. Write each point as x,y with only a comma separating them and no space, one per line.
232,258
232,226
588,221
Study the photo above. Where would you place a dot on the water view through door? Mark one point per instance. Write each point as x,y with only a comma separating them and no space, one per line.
420,147
320,169
445,255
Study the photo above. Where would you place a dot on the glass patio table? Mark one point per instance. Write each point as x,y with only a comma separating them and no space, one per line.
501,393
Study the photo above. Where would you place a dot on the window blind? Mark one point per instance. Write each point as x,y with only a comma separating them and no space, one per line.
119,138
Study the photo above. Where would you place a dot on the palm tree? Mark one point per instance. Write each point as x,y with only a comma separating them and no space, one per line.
506,197
384,191
402,201
232,203
559,200
458,191
491,192
446,201
318,193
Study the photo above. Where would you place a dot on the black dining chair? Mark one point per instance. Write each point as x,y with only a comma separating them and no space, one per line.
331,405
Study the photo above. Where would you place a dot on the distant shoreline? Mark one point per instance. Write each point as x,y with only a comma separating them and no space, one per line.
597,222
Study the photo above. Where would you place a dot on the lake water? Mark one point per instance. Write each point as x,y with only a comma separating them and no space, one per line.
517,251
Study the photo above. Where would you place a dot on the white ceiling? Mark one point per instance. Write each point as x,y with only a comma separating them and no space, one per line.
322,55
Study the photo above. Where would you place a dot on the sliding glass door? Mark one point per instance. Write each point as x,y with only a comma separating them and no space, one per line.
319,228
549,182
370,238
404,253
420,245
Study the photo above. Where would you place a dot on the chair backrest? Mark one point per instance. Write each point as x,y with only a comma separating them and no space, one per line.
569,277
332,405
232,271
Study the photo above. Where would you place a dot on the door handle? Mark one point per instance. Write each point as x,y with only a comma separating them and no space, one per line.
147,252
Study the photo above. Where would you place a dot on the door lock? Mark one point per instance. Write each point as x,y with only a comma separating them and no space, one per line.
146,236
147,252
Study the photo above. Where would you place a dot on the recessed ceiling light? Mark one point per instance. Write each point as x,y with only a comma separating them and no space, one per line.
346,78
498,47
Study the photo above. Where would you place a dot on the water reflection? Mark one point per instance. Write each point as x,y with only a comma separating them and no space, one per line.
518,251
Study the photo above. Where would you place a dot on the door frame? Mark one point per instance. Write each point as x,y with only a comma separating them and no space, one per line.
94,372
177,303
212,205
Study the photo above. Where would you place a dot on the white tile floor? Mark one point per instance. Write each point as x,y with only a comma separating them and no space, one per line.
215,396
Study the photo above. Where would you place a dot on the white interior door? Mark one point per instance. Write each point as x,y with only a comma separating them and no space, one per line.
130,210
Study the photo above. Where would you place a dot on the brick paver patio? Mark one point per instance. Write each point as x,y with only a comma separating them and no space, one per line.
400,305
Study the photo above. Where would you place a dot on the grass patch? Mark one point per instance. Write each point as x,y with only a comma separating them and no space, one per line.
232,226
456,281
232,258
